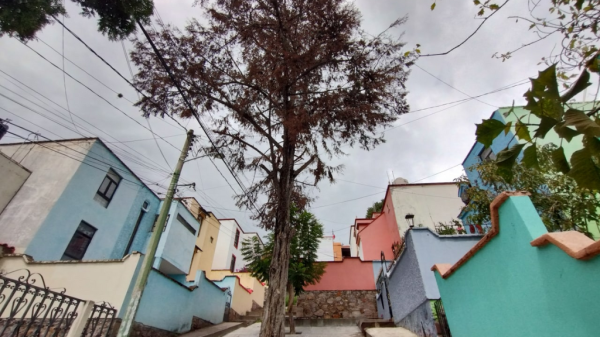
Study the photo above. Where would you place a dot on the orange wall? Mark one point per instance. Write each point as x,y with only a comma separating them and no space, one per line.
349,274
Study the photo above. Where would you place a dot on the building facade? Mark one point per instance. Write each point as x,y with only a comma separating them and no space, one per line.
80,202
228,251
478,153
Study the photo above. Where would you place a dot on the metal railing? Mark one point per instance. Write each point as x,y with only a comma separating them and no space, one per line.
96,317
29,308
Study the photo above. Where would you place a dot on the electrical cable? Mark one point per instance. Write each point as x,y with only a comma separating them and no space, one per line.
462,92
194,112
136,161
95,93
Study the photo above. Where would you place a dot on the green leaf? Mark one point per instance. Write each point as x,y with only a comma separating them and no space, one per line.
579,4
560,161
584,170
545,85
565,132
530,157
582,122
481,12
522,131
506,160
494,7
582,82
507,128
433,6
476,2
592,144
406,54
546,124
488,130
418,51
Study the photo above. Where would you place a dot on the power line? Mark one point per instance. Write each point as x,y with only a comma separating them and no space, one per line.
95,93
68,156
435,174
194,112
462,92
113,69
450,107
65,78
345,201
74,150
506,87
137,161
147,120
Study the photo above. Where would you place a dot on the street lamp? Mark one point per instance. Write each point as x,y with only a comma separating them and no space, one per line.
410,219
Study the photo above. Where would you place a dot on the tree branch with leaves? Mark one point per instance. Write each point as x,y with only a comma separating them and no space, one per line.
285,86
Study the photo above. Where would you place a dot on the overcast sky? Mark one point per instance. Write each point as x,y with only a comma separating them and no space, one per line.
424,142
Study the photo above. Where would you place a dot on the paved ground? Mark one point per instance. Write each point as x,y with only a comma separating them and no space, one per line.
212,329
335,331
389,332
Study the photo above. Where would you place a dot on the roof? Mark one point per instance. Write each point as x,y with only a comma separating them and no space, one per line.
88,139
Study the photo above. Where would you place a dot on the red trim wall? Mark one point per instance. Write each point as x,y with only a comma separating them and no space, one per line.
349,274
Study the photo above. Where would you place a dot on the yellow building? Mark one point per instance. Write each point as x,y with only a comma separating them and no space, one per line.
248,293
207,238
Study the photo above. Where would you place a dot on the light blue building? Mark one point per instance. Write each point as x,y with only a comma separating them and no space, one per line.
81,202
477,153
178,241
76,200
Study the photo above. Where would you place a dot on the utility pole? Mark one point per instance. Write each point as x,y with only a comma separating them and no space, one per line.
142,277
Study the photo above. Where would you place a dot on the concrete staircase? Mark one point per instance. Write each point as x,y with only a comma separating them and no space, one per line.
215,330
252,316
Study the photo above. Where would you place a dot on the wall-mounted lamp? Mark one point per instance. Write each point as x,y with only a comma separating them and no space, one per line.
410,219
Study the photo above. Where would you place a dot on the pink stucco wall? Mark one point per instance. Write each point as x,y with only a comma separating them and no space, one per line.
349,274
380,234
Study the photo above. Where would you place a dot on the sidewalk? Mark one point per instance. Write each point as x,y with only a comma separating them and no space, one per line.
307,331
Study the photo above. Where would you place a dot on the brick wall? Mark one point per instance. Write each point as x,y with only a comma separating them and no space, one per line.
337,304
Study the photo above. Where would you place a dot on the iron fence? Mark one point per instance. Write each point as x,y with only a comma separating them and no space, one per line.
29,308
101,320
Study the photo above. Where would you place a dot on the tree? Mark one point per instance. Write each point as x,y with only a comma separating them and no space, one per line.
376,208
303,268
578,55
116,18
283,86
560,202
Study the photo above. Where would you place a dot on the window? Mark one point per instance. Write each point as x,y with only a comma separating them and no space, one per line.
486,154
211,239
237,238
232,266
108,187
156,220
186,224
79,242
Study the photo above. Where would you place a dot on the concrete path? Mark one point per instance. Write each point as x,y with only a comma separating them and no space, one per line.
307,331
389,332
215,330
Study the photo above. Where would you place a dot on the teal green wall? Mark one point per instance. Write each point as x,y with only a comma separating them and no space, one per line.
515,289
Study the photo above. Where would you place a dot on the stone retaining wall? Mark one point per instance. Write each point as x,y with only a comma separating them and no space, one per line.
337,304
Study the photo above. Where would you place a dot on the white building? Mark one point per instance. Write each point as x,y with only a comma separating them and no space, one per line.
325,250
429,203
228,252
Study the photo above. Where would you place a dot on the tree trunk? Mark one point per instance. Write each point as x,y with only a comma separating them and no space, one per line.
274,309
290,306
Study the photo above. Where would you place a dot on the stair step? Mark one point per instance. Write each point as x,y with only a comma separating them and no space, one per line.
215,330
